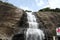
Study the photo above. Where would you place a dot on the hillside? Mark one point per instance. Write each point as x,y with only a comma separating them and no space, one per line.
49,19
9,18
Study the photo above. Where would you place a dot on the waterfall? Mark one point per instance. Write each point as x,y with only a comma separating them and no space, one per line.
33,33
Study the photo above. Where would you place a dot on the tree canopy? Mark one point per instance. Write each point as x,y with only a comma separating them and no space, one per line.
48,9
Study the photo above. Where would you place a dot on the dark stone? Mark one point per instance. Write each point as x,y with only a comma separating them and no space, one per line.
18,37
23,22
0,39
58,38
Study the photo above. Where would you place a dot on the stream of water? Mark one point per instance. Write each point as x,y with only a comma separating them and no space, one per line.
33,33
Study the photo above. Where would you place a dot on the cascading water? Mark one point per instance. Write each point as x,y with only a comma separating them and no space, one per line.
33,33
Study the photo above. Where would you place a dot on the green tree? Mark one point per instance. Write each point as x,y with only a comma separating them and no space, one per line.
48,9
4,0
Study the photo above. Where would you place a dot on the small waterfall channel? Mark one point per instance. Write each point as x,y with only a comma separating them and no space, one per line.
33,33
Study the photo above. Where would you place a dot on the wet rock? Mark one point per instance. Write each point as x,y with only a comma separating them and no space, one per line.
24,22
18,37
39,21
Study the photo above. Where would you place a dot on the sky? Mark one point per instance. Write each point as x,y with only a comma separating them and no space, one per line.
35,5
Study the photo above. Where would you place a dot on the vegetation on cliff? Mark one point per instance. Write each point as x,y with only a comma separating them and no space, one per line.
51,10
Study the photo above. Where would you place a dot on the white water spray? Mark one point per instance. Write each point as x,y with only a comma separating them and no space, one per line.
33,33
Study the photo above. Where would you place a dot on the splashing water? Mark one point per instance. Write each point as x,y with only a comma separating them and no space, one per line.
33,33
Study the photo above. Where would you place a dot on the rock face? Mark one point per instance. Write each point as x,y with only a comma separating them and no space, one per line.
50,20
23,23
9,18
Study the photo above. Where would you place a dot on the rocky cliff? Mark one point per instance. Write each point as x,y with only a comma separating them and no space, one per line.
50,20
9,18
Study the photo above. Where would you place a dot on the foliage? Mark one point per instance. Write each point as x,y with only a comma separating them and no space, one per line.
52,10
28,11
5,3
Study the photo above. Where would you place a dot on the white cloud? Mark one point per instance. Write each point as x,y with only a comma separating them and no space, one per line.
39,2
54,3
26,8
51,3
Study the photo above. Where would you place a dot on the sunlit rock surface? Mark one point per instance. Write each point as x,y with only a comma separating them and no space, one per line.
49,20
9,18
